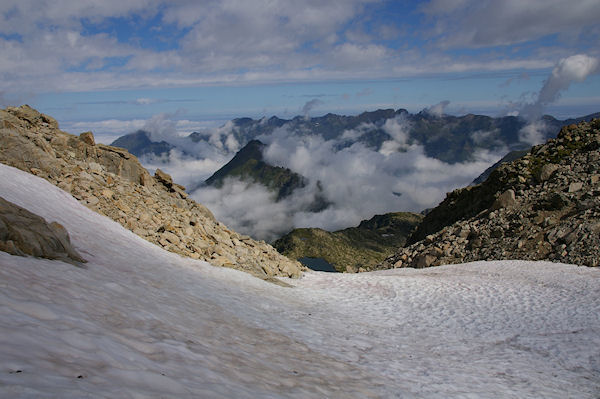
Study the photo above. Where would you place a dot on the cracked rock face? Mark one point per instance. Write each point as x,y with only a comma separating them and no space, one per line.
112,182
23,233
544,206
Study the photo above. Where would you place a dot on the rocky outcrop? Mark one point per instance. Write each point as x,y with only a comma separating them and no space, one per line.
112,182
23,233
543,206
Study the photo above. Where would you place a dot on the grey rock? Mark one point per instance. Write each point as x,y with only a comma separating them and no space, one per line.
547,171
505,200
88,138
575,186
424,260
163,178
23,233
555,201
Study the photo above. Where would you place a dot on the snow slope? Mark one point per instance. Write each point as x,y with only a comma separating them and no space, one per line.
138,321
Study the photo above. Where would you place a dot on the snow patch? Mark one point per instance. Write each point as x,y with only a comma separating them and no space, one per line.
142,322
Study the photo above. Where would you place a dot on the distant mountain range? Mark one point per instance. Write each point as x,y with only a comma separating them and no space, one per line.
445,137
453,140
448,138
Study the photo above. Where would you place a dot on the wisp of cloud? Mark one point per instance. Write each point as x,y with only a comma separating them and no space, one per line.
575,68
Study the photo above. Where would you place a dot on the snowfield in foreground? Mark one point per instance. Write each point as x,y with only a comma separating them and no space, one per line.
138,321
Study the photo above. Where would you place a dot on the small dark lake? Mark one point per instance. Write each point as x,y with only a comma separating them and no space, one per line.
318,264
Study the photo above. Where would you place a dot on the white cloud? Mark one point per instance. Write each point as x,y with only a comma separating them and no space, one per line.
575,68
163,126
145,101
398,129
358,181
27,16
506,22
356,56
251,209
533,133
187,170
309,106
568,70
233,34
226,42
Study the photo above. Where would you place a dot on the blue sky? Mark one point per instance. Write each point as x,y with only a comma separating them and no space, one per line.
110,66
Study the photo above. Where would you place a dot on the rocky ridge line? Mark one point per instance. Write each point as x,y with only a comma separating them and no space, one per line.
112,182
543,206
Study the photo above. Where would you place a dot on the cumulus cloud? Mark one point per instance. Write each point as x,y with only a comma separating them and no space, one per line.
358,181
190,162
161,127
532,106
534,132
575,68
398,129
252,209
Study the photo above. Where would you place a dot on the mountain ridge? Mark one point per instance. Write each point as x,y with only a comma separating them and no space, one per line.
542,206
112,182
248,165
446,137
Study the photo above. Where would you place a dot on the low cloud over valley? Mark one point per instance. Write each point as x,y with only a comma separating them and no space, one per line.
356,180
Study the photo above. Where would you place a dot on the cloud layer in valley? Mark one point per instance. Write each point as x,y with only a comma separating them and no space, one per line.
358,181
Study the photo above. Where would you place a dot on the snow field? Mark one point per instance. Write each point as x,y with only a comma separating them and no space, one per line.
138,321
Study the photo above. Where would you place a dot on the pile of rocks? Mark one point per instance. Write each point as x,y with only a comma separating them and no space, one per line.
112,182
544,206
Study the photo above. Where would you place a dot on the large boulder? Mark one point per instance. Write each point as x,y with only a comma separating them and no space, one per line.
23,233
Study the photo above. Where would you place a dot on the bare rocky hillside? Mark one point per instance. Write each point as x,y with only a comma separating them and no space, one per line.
543,206
112,182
